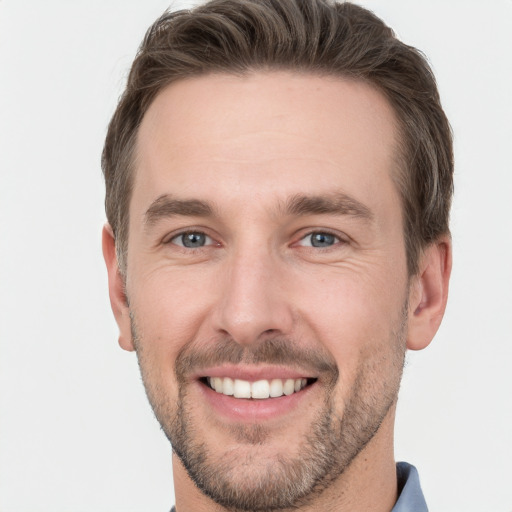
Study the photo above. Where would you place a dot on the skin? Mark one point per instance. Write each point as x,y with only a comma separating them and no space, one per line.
258,278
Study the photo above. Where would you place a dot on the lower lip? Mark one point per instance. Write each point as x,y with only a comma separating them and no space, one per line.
243,410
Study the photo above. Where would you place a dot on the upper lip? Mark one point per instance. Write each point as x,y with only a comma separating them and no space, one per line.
253,373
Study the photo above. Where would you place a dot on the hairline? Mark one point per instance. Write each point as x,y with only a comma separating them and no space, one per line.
399,159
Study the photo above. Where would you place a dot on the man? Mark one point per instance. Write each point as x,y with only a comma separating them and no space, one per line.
279,177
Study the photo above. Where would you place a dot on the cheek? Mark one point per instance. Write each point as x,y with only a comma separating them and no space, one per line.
365,339
355,318
348,306
169,309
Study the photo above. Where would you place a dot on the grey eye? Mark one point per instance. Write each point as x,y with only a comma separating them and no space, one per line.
319,239
322,239
192,240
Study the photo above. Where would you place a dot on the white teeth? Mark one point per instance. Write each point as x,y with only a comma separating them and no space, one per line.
217,384
289,387
260,389
242,389
228,386
276,388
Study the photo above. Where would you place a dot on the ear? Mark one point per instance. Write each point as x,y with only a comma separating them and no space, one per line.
116,289
429,293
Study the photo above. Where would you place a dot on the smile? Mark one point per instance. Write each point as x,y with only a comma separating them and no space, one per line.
260,389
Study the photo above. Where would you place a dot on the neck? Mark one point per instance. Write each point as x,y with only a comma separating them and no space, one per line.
368,484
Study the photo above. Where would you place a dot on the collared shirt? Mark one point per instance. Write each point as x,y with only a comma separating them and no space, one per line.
410,496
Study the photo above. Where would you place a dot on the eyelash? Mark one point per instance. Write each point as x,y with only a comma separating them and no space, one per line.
182,234
337,240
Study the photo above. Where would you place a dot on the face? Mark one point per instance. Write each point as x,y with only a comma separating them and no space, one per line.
266,279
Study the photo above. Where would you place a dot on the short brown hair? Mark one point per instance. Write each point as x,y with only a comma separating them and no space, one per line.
312,36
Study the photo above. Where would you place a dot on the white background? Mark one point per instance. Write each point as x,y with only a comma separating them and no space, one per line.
76,433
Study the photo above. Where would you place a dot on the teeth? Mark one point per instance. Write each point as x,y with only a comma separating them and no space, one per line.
228,386
260,389
289,387
217,384
276,388
242,389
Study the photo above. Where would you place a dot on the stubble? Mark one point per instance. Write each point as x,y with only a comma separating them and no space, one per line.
258,483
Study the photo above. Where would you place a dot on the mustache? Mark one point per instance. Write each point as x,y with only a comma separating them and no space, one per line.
272,351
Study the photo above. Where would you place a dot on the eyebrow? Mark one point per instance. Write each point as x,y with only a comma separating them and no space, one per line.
298,205
333,204
167,206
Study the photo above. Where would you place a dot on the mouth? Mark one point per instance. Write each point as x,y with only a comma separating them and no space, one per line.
257,390
249,394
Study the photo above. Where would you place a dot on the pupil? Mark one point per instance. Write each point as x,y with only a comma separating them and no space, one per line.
322,240
193,239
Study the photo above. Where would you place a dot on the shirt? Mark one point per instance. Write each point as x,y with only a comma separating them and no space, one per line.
410,496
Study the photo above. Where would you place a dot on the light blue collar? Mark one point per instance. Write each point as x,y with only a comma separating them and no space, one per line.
410,497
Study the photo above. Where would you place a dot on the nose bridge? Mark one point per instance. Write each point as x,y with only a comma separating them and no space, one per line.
252,302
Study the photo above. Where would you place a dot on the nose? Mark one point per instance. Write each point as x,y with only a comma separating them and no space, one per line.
252,299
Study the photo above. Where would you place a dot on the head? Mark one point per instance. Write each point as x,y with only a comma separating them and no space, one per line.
319,37
278,176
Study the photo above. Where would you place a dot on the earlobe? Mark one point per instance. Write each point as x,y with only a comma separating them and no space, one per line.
429,294
116,288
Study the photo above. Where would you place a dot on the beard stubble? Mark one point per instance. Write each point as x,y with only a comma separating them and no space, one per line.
253,483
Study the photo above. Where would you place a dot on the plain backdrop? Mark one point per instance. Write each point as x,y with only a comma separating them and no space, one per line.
76,433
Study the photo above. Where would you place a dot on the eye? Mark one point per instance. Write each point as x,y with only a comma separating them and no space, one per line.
319,239
192,240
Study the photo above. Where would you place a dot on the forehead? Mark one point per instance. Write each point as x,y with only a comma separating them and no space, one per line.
272,133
